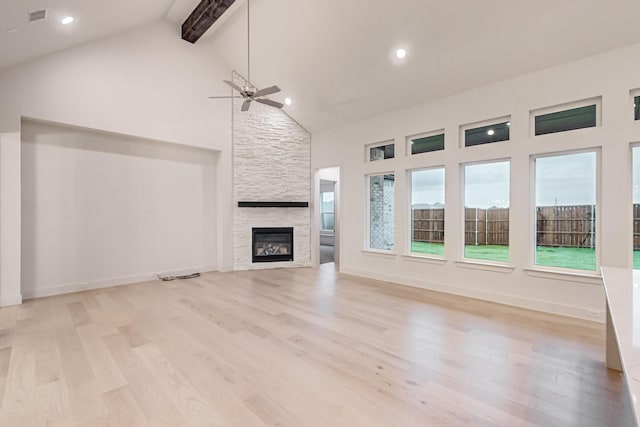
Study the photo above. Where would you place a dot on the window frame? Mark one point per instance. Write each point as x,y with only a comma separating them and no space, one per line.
409,139
368,147
322,229
408,250
632,95
632,146
597,100
502,265
533,217
367,225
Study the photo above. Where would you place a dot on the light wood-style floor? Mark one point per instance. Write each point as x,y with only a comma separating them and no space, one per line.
298,348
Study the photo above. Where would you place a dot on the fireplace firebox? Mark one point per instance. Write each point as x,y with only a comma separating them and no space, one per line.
272,244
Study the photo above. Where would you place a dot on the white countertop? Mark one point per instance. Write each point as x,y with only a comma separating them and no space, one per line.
622,286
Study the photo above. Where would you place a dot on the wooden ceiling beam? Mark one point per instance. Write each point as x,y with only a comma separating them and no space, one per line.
203,17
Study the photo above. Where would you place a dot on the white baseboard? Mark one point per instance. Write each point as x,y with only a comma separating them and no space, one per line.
9,301
500,298
272,265
107,283
225,268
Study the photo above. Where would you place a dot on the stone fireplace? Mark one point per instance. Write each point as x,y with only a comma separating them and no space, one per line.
271,187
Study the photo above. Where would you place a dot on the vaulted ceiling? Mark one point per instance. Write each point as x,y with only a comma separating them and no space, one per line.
335,58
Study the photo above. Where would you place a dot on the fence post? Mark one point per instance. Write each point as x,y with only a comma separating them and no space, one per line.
476,233
486,227
592,227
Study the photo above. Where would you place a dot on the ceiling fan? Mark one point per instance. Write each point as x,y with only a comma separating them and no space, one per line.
248,92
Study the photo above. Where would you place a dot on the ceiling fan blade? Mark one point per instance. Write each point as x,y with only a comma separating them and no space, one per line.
270,103
245,105
267,91
224,97
233,85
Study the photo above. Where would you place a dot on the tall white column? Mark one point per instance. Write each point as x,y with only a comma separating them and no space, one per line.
10,219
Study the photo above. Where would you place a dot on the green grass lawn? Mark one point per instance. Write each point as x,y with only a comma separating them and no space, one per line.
428,248
488,252
636,260
575,258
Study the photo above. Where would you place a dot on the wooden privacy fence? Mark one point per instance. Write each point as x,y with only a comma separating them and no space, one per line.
486,226
566,226
636,227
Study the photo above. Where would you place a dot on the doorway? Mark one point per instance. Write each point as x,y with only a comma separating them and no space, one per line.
327,218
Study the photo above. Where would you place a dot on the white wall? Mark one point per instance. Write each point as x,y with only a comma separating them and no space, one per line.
101,209
146,83
611,76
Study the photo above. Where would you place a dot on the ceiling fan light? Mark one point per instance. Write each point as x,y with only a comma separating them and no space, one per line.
288,101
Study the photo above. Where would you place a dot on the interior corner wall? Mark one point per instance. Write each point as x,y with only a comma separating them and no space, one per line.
271,162
101,209
611,75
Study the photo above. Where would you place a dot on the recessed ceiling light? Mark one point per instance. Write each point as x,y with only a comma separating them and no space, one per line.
491,132
288,101
13,30
401,53
68,20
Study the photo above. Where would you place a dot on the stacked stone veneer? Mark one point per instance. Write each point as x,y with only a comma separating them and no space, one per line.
271,162
381,205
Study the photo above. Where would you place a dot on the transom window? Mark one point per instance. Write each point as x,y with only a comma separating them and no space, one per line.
380,151
565,120
487,134
426,143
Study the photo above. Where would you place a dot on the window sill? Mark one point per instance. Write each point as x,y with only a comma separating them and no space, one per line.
486,266
565,275
379,253
425,259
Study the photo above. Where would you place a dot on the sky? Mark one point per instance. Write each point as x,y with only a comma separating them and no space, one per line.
428,186
636,174
564,180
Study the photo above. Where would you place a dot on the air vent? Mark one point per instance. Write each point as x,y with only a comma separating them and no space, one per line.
37,15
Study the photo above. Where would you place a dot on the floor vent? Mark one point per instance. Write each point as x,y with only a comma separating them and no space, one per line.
37,15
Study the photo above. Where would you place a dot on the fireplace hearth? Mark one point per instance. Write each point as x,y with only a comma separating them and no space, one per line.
272,244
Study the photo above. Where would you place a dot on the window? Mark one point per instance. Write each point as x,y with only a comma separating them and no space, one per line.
381,212
427,211
486,211
425,144
565,193
381,151
636,108
327,206
561,121
636,207
494,132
